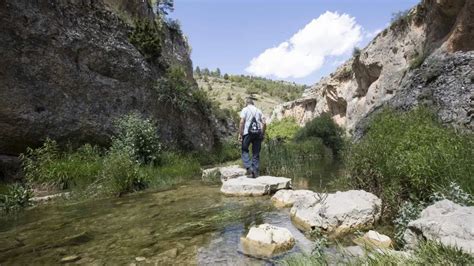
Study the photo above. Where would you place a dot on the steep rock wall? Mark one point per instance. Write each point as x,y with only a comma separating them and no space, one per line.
437,32
67,70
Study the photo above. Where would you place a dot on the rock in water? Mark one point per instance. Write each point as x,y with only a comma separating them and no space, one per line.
374,239
223,173
263,185
445,222
72,258
267,240
337,212
286,198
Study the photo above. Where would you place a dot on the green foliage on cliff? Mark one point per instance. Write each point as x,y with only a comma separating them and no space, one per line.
15,197
147,37
407,156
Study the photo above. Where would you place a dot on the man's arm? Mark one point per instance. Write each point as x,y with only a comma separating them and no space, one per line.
241,128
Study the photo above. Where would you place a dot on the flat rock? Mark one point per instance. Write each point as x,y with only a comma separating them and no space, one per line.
336,212
286,198
263,185
445,222
223,173
374,239
266,240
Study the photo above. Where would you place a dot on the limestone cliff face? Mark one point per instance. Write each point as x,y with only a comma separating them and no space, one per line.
425,57
67,70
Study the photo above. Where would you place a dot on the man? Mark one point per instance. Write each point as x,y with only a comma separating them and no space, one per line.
251,131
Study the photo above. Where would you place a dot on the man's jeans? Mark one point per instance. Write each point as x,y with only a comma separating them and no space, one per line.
256,141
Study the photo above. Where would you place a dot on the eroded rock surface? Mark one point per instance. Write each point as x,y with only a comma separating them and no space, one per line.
263,185
266,240
445,222
423,58
337,212
373,239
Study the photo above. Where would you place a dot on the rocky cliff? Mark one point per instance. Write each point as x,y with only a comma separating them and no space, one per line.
68,69
424,57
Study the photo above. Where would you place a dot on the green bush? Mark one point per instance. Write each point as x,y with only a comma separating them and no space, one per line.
16,197
138,136
224,151
326,129
284,129
48,165
406,156
146,37
121,173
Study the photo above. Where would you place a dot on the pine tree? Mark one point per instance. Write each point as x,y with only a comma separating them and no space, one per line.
198,71
218,73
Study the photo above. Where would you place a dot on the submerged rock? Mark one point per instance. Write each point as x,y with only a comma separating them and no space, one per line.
374,239
223,173
263,185
337,212
267,240
286,198
72,258
445,222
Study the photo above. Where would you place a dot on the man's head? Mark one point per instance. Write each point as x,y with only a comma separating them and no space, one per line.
249,101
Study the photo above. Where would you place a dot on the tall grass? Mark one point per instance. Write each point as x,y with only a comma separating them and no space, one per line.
407,156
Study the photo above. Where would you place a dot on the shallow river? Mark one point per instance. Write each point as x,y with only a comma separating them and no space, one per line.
192,224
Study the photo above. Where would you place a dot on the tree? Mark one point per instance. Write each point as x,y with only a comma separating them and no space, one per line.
165,7
198,71
206,71
218,72
226,76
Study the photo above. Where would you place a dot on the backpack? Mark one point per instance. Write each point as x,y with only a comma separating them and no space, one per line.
254,127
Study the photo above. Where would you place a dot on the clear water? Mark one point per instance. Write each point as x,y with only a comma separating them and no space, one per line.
192,224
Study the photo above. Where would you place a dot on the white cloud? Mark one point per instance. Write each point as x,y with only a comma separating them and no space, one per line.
331,34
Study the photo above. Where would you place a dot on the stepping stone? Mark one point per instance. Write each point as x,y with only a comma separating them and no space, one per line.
263,185
266,240
223,173
286,198
337,212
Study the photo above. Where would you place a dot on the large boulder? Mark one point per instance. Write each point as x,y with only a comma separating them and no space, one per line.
267,240
263,185
337,212
445,222
223,173
286,198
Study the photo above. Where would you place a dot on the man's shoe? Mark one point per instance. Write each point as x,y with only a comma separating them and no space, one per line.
248,173
254,174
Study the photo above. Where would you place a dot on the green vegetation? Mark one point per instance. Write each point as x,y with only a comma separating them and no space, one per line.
407,156
427,253
417,61
324,128
16,197
138,137
356,52
146,37
284,129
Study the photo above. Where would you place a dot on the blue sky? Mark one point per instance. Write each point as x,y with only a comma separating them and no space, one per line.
230,33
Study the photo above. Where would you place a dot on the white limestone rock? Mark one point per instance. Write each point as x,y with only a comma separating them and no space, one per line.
244,186
374,239
266,240
445,222
337,212
286,198
223,173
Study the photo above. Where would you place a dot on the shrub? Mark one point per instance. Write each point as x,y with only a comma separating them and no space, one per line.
121,173
224,151
356,52
17,197
73,168
407,212
405,156
146,37
417,61
284,129
326,129
454,193
137,136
